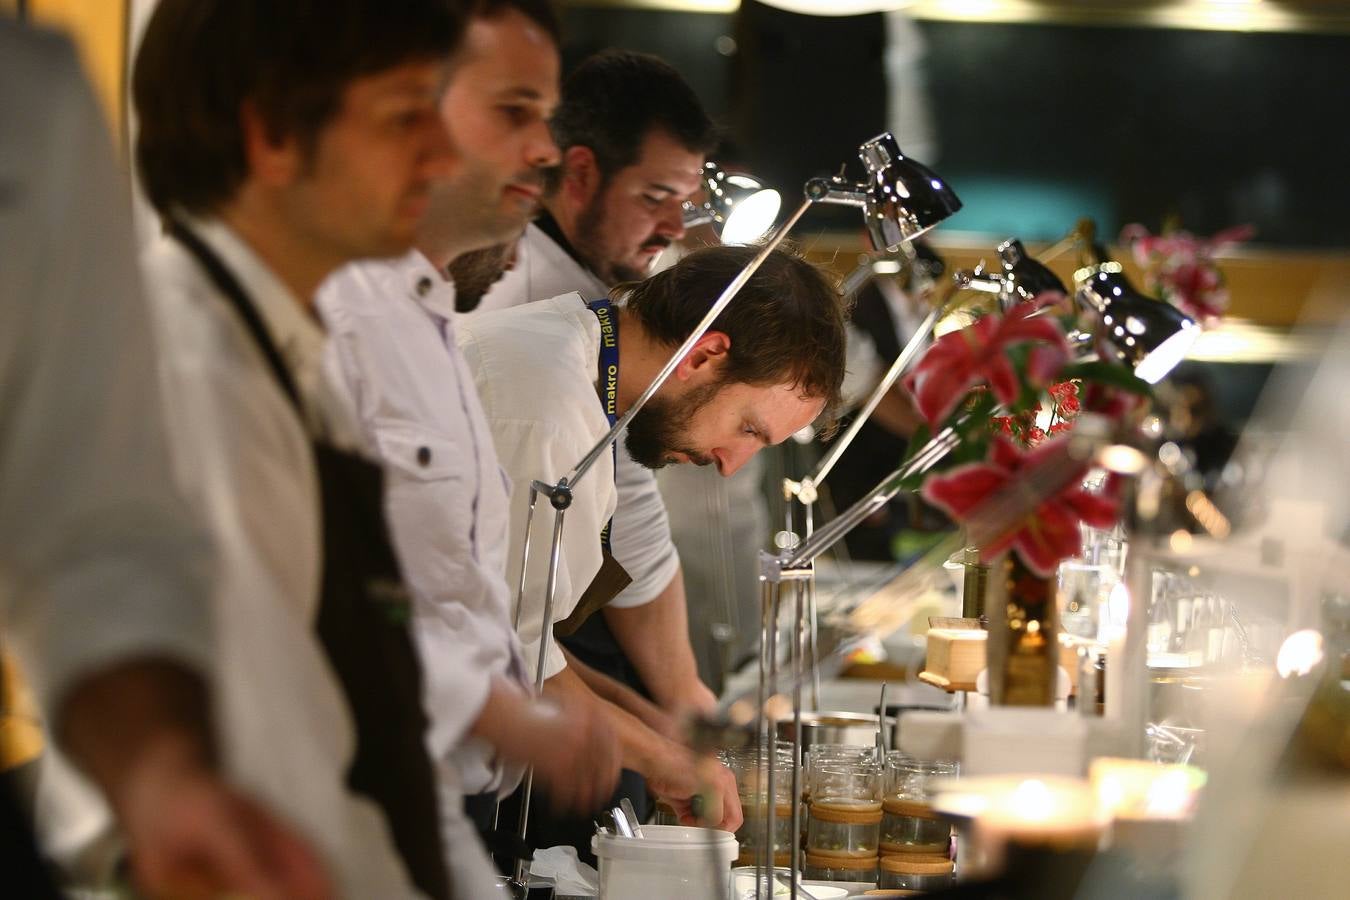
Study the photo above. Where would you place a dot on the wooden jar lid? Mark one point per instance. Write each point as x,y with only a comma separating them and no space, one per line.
917,864
916,808
869,814
843,863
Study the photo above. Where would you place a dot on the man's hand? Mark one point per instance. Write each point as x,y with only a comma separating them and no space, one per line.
141,731
684,777
576,755
567,739
191,835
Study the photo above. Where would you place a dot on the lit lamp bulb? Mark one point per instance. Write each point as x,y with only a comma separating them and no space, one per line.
739,207
1299,654
1151,336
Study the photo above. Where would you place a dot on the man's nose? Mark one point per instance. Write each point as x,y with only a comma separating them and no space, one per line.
729,461
542,152
439,156
670,224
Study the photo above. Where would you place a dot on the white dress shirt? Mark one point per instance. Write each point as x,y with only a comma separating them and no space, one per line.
535,367
244,460
641,533
100,560
394,356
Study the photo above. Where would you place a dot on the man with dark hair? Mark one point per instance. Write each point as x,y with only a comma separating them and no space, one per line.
279,141
395,360
771,364
633,137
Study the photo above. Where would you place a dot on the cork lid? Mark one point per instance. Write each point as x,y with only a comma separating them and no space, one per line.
917,864
843,863
885,893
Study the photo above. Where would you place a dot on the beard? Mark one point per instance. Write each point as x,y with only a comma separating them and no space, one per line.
475,272
589,244
661,429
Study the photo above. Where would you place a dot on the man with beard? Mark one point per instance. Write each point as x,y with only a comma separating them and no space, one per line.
771,364
633,137
395,361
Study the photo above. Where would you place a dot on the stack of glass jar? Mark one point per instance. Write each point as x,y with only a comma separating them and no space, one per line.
915,845
752,784
843,814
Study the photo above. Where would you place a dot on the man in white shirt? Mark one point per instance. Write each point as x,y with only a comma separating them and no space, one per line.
771,364
280,141
633,136
394,356
104,573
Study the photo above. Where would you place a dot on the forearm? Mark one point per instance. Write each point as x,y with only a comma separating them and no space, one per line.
621,695
643,750
655,638
512,721
896,412
146,713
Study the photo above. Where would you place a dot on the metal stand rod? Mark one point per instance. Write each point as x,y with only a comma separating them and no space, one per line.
520,605
941,444
730,291
798,633
902,362
811,588
555,552
763,859
767,778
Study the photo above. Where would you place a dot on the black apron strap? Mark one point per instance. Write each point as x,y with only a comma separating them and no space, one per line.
362,622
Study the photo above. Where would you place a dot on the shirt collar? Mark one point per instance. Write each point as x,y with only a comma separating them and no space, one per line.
549,226
427,285
298,336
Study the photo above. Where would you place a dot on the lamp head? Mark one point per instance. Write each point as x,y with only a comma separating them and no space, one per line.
1025,276
904,198
739,207
1150,336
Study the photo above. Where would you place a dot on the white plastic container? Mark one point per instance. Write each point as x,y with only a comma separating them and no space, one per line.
673,862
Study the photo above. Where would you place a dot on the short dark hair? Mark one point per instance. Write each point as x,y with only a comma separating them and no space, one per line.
200,60
786,325
613,100
541,12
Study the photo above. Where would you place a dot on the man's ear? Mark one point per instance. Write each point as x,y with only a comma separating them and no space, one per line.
581,175
706,361
273,162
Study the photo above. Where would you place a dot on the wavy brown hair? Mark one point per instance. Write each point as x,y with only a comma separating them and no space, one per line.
786,325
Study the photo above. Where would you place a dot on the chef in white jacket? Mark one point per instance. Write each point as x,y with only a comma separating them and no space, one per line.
394,359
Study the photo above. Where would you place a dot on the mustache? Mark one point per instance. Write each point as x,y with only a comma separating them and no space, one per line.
531,178
656,242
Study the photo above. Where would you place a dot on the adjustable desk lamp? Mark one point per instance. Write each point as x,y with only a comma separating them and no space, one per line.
900,200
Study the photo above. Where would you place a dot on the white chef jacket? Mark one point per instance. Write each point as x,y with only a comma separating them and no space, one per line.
245,462
535,367
392,353
641,538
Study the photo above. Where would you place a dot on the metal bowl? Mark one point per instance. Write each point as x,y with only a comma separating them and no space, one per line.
857,729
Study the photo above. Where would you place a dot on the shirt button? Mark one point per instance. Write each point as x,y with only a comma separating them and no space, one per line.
423,287
423,456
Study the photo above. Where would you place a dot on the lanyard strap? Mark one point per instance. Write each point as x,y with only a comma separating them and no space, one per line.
609,384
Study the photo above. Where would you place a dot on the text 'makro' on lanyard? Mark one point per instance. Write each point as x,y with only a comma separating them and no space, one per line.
609,383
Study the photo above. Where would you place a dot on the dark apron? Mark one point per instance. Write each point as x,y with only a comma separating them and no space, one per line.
364,610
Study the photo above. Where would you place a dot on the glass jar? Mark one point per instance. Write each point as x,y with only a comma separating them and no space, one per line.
908,823
752,787
823,754
844,815
840,868
915,872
